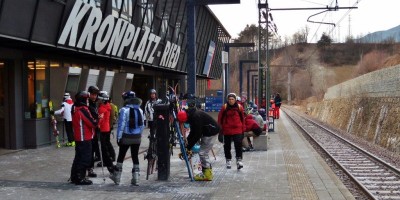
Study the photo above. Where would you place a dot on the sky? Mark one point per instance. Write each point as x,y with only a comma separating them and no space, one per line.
369,17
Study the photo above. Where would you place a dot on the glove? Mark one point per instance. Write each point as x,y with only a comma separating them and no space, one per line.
188,153
221,137
51,112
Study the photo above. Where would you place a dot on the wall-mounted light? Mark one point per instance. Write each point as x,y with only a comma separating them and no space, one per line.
141,68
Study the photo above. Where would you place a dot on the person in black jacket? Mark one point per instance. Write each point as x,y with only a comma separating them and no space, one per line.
203,128
278,103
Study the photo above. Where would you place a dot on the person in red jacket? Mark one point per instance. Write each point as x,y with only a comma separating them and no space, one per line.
105,131
252,129
84,129
231,120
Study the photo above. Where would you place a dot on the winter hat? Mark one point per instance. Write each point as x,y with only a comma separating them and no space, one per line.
231,95
182,116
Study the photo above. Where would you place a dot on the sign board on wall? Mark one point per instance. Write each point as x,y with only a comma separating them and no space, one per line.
115,35
213,104
224,57
209,58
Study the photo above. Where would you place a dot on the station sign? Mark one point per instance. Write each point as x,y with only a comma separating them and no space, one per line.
115,36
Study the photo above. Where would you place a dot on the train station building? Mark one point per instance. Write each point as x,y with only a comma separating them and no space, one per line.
51,47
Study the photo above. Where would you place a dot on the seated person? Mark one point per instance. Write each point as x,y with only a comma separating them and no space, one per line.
252,129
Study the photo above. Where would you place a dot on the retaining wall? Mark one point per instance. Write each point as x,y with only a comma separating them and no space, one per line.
367,106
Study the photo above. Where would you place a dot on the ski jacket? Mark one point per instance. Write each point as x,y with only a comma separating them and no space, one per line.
104,122
278,101
250,123
93,109
201,124
83,124
231,119
124,118
114,114
65,109
149,110
258,119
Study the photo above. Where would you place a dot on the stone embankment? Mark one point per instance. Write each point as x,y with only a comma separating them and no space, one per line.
367,106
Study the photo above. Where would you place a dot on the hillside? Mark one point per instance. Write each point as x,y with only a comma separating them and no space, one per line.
382,36
313,70
318,69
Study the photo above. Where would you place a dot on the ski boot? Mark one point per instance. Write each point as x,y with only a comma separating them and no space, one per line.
135,175
239,163
83,181
207,175
228,163
91,173
80,179
116,175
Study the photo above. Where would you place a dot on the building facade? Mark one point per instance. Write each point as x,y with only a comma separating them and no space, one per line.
48,47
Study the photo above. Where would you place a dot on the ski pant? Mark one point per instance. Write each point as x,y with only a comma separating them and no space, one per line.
68,129
206,144
237,141
151,127
134,153
105,149
276,114
95,148
83,157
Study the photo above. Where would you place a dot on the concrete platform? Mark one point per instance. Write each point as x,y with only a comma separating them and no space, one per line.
290,169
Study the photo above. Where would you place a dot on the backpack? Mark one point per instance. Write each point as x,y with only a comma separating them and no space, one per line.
240,110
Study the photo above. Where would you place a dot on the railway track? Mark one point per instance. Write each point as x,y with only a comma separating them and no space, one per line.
377,178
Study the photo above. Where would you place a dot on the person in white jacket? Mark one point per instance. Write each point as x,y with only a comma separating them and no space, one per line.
65,111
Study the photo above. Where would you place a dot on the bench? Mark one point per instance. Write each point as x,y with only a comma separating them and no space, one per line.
260,143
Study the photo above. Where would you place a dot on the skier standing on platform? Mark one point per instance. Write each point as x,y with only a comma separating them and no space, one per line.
278,103
65,111
94,92
231,120
84,129
104,124
129,133
149,110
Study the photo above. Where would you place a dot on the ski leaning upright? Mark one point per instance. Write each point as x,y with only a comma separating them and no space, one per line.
174,110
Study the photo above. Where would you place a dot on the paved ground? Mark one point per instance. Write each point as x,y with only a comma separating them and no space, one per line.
290,169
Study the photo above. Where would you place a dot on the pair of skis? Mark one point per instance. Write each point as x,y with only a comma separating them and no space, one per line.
174,100
53,122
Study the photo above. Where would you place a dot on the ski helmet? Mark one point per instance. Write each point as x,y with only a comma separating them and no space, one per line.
153,91
103,96
128,95
93,89
182,116
82,96
67,95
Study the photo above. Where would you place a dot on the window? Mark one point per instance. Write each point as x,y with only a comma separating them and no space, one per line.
37,100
